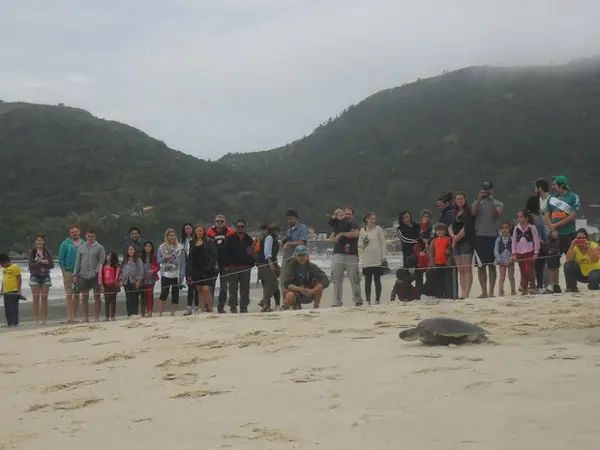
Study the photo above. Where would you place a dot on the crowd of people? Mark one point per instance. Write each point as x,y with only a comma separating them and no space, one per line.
437,259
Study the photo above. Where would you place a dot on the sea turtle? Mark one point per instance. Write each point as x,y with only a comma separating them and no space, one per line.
445,331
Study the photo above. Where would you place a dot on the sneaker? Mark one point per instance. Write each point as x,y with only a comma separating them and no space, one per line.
377,302
368,302
243,310
233,309
556,289
188,311
573,290
196,310
221,310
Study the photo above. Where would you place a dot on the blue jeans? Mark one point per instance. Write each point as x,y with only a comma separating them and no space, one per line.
223,286
573,275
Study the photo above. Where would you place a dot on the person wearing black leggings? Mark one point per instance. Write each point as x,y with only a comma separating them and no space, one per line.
374,255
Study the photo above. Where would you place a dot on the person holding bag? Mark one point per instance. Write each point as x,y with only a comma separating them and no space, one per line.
371,240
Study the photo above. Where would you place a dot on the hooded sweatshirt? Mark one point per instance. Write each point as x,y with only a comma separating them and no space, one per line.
67,253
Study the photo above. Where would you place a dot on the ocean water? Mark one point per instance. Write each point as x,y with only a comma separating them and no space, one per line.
57,291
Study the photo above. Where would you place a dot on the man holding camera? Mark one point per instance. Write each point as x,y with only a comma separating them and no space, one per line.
486,210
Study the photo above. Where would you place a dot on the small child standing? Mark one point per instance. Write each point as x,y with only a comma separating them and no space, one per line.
151,269
525,249
439,279
11,288
108,280
502,254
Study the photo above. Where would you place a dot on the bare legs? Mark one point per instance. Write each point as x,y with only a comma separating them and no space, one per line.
465,274
206,300
504,269
483,279
35,293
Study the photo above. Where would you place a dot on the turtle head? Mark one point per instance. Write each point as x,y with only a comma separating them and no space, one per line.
411,334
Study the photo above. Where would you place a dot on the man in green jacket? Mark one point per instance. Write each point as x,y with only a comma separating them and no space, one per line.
303,281
67,254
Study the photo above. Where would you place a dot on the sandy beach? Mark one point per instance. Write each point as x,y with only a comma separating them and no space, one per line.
328,379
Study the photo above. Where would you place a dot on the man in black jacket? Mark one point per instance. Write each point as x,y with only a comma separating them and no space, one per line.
240,258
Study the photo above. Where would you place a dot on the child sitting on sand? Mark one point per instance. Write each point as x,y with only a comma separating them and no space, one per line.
403,288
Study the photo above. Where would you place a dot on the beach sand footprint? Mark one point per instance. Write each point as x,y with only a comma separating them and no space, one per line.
314,374
64,406
440,369
182,379
114,357
70,385
254,432
167,364
97,344
69,340
201,393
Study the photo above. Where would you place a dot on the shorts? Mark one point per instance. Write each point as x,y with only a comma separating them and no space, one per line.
462,248
302,299
484,247
40,281
565,240
87,284
68,280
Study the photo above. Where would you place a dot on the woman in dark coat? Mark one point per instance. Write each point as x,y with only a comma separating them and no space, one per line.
201,267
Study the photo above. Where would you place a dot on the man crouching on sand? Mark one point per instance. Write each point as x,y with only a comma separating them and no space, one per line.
303,281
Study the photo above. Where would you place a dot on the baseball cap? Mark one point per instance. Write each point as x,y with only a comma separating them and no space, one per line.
561,179
301,250
487,185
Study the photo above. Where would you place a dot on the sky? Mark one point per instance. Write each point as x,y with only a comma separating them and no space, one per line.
210,77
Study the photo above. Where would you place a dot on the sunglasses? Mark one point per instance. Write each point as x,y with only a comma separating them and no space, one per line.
220,221
240,226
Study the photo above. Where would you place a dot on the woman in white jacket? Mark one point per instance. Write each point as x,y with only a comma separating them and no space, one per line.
374,255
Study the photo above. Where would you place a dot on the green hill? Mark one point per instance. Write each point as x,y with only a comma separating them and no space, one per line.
399,148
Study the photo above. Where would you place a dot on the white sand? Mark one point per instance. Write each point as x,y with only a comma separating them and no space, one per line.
332,379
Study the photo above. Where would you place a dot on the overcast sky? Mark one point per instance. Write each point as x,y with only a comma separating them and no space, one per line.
216,76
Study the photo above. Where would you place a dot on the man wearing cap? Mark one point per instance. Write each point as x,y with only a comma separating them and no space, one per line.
303,280
561,211
486,210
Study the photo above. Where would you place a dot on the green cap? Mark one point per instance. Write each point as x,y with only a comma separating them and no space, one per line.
561,179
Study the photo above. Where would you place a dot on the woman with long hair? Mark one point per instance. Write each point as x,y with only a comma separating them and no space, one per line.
374,255
132,275
151,269
171,258
408,234
201,268
40,264
462,233
533,207
187,236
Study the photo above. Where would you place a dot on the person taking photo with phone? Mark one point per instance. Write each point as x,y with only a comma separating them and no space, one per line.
582,263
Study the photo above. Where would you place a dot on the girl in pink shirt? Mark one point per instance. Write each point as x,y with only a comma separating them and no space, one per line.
108,280
525,249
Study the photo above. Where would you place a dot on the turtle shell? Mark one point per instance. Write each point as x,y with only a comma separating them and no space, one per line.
447,326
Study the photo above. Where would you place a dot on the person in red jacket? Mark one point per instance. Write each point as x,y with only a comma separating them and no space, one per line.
219,233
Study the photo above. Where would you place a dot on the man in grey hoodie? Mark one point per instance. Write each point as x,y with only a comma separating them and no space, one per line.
90,256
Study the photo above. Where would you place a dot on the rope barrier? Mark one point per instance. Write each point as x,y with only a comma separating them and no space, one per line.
423,270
